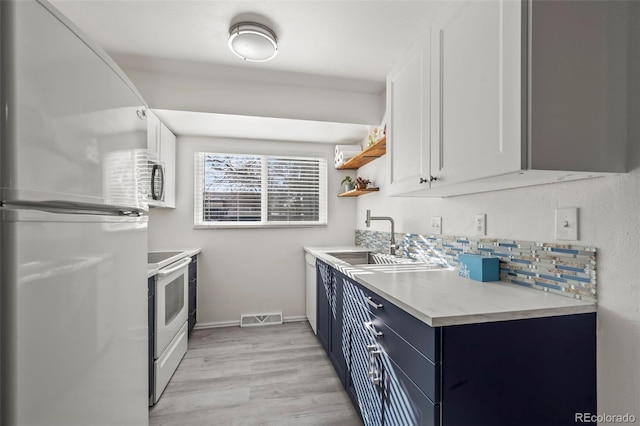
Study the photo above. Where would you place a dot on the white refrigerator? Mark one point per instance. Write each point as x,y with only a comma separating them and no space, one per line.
73,229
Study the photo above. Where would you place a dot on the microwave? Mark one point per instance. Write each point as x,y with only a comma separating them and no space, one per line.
156,187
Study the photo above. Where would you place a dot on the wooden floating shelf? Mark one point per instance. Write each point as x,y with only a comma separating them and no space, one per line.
357,192
376,150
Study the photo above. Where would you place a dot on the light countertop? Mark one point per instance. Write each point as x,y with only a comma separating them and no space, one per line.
439,297
152,270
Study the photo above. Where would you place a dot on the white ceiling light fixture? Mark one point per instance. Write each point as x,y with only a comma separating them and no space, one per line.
253,42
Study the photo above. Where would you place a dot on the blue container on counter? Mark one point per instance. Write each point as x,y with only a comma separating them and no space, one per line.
479,268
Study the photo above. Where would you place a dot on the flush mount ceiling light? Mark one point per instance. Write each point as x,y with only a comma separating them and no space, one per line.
253,42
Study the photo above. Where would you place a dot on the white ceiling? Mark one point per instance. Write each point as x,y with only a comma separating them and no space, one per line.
339,45
346,39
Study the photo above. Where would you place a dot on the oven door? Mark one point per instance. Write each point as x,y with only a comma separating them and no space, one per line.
172,286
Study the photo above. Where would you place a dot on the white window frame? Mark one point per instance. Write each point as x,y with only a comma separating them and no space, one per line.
198,223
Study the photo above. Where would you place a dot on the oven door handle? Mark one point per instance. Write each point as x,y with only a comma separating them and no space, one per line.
172,269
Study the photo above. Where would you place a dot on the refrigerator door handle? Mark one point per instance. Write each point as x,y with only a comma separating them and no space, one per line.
130,213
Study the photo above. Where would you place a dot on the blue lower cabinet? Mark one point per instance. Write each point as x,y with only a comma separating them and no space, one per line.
193,294
336,352
329,317
379,388
422,370
404,404
323,307
530,372
400,371
425,339
364,369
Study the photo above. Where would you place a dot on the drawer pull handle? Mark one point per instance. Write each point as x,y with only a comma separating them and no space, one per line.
373,373
372,303
369,326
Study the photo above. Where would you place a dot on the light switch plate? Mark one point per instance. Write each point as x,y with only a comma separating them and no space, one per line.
436,225
480,224
567,224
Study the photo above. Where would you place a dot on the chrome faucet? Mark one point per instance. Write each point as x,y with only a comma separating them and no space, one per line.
392,246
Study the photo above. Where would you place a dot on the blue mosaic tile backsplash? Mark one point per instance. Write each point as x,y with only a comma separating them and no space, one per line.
564,269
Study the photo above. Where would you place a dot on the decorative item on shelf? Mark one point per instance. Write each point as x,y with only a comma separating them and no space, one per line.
376,133
362,183
347,184
345,153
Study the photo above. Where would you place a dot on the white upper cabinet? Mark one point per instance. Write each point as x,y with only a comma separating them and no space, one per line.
520,93
153,135
168,157
408,135
476,78
161,146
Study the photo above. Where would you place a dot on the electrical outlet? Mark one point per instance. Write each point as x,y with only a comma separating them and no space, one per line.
567,224
480,224
436,225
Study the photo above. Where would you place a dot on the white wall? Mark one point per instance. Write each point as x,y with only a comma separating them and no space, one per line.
253,270
609,220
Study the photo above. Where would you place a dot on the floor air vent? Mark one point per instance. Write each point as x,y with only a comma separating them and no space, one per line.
255,320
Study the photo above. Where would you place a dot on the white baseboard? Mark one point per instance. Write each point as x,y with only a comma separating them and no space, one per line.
294,319
219,324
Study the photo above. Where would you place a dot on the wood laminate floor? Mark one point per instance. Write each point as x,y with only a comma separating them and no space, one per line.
271,375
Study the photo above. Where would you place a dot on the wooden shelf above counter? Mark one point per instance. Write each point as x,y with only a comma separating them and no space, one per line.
357,192
376,150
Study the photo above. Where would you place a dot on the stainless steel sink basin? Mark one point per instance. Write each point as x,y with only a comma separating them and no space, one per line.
372,258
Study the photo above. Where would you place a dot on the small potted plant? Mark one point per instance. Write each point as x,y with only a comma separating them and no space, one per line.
347,184
362,183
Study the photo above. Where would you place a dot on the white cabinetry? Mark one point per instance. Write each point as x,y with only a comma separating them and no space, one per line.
168,157
521,93
153,135
476,80
408,103
161,145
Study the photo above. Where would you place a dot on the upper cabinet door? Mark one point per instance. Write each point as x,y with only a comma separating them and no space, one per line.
408,135
153,136
476,92
168,156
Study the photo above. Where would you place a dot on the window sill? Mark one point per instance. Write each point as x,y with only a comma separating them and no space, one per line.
259,226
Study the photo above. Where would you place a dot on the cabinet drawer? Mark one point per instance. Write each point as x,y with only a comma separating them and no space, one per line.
423,372
404,404
422,337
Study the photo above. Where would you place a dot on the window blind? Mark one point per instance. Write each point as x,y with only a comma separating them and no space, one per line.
259,190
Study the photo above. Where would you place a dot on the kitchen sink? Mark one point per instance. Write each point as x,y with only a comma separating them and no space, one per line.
372,258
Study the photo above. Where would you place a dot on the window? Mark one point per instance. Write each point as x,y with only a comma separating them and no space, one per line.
259,190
